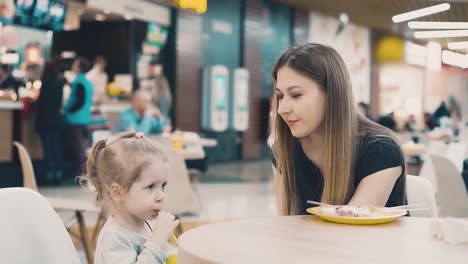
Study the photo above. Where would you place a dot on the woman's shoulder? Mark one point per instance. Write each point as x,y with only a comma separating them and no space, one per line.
377,143
376,153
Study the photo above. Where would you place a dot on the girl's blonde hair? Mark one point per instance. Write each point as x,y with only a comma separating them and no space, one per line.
343,127
120,160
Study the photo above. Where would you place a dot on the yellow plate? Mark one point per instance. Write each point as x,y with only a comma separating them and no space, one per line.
387,217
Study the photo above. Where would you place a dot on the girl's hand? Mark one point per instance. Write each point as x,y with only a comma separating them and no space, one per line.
163,228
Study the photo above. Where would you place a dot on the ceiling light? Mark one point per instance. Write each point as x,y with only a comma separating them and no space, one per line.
455,59
421,12
441,34
437,25
458,45
344,18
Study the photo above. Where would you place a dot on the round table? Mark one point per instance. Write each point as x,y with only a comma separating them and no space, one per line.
308,239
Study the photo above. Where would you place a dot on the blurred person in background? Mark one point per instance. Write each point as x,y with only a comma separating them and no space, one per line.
98,77
49,120
410,123
6,79
364,109
455,115
160,90
388,121
141,116
77,112
429,121
441,111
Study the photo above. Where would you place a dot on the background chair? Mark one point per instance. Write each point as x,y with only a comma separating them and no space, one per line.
456,154
31,231
419,190
29,178
62,204
452,195
180,196
427,170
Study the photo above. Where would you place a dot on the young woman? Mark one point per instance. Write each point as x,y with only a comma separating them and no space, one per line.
324,150
49,121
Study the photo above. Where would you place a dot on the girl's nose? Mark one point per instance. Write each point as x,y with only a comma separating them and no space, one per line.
159,197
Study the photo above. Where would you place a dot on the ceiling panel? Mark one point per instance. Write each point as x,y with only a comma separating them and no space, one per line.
378,13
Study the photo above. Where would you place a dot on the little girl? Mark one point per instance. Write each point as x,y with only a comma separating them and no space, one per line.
130,174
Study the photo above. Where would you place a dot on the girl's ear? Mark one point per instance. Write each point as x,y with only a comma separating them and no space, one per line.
116,193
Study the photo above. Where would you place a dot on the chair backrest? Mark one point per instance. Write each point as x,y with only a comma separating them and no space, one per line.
428,172
456,153
31,230
452,195
464,139
436,147
29,178
180,197
419,190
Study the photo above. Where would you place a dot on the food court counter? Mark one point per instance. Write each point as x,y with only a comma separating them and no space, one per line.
9,111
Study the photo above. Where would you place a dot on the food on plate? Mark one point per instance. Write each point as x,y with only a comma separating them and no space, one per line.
348,211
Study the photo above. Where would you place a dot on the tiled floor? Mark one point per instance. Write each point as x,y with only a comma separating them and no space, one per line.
227,191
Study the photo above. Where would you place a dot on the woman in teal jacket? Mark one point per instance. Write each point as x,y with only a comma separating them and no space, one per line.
77,112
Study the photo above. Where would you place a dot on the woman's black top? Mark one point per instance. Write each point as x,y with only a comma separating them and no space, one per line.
373,155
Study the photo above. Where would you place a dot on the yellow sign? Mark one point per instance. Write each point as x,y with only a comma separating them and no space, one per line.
389,49
198,6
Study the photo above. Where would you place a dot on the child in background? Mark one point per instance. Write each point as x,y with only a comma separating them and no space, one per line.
130,173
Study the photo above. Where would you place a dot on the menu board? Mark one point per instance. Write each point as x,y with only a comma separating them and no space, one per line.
40,14
43,14
156,35
57,12
24,9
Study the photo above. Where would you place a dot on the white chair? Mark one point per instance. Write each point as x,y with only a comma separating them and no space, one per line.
456,153
435,147
419,190
452,195
60,203
180,196
31,231
464,138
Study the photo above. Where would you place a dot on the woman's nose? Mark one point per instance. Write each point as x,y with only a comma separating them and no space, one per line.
284,107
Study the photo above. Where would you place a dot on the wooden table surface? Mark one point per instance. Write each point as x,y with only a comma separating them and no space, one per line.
413,149
308,239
